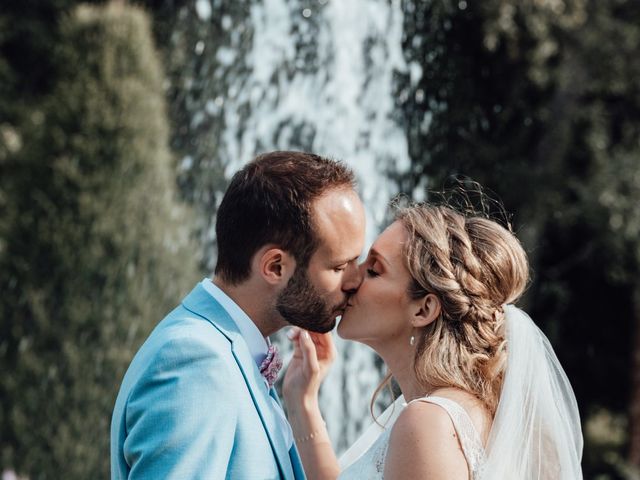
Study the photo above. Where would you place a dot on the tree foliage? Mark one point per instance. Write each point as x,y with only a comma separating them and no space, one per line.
539,101
95,248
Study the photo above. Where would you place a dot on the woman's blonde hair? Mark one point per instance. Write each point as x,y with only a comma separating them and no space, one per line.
474,266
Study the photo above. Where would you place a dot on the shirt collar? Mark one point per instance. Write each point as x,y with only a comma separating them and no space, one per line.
258,345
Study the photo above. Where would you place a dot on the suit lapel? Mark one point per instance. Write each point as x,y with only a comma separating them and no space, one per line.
200,302
261,399
296,463
294,456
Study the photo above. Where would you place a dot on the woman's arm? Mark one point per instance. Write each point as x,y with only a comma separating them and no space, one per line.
313,354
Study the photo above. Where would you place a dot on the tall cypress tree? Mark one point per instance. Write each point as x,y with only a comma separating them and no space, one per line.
94,249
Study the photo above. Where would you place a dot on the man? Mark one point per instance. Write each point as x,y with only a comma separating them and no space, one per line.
194,402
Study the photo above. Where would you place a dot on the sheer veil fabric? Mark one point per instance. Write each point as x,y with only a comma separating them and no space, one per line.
536,432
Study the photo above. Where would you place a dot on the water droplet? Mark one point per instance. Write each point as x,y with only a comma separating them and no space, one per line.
199,47
227,22
186,163
197,119
210,107
462,5
306,13
203,9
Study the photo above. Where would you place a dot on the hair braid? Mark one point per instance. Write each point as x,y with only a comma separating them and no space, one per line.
474,266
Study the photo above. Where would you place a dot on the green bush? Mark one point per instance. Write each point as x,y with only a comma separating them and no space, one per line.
94,248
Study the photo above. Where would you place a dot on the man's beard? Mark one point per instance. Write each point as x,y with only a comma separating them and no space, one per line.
301,305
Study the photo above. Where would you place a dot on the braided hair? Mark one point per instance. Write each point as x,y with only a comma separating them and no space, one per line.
474,266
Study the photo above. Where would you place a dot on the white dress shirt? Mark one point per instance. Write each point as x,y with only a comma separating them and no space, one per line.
258,345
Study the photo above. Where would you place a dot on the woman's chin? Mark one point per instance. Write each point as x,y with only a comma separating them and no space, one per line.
343,329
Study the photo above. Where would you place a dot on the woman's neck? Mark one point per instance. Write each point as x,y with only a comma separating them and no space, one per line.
399,360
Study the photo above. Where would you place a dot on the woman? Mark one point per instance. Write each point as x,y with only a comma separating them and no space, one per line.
485,396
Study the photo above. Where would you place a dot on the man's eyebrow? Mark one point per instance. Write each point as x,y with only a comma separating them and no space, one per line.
342,262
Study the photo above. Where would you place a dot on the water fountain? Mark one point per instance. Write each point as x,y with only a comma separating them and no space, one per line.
315,76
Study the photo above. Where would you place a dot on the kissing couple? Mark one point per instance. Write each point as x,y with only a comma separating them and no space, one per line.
483,394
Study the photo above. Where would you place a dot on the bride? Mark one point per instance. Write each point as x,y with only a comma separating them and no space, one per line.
483,394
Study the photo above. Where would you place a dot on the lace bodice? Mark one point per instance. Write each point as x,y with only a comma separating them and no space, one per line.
370,465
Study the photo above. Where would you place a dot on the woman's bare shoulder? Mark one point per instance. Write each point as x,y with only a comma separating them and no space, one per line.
424,443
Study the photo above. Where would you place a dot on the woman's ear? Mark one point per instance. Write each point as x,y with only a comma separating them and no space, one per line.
275,265
427,309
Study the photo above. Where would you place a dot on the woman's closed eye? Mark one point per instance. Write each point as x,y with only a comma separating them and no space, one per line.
372,273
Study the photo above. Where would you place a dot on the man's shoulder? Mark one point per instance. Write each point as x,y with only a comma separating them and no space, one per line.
181,338
183,322
184,332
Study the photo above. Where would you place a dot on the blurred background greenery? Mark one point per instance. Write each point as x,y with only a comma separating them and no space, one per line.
98,222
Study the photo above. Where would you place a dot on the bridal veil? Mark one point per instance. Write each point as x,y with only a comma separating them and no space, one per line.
536,432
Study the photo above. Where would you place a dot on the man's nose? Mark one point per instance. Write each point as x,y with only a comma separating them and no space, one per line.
353,278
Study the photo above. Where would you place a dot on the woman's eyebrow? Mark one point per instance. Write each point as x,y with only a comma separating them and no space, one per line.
378,255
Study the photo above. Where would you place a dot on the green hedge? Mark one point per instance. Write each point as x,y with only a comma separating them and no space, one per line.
94,247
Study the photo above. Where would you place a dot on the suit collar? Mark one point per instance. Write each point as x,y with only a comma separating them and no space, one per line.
200,302
258,345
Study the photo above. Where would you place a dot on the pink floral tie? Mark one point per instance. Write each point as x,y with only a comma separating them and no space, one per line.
270,366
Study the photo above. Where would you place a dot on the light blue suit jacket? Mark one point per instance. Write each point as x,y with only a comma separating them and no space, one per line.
193,405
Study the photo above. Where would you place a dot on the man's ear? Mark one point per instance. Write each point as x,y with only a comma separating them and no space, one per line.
426,310
275,265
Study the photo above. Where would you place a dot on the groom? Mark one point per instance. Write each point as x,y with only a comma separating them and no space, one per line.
197,401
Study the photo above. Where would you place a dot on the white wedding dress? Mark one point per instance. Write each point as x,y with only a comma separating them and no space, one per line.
536,432
370,464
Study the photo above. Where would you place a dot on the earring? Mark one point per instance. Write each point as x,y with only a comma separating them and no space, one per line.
412,340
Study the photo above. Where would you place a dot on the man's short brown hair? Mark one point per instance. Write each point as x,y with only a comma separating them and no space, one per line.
269,202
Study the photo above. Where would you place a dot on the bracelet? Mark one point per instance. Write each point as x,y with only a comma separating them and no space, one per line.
312,435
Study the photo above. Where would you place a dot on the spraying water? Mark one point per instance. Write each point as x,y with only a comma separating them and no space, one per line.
314,76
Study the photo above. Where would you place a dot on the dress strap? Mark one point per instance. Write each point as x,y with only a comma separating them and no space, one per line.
470,439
